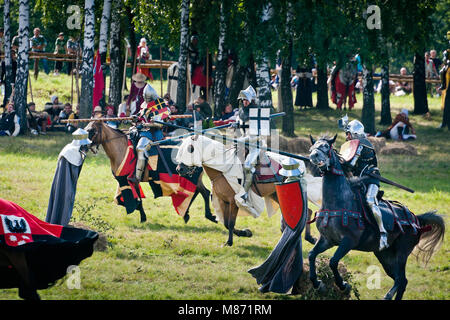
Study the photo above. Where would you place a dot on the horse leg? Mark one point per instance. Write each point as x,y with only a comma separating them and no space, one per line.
206,194
344,247
394,264
239,233
321,245
26,289
308,236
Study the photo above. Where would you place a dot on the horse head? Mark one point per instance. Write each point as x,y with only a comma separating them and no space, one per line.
189,155
198,150
95,134
322,154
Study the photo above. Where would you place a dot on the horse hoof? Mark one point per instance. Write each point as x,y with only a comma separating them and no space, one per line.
321,288
186,218
248,233
143,220
227,244
310,239
346,288
211,217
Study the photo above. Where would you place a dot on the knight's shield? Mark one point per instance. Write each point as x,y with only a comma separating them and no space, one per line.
348,149
292,202
259,121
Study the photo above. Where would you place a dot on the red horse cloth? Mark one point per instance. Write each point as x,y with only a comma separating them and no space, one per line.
18,227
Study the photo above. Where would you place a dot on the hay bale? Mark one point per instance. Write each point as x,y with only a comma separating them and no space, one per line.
102,242
304,286
399,148
297,145
378,143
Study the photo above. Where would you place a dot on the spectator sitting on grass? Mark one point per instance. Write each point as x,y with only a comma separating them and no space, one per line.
122,109
403,87
400,129
9,122
229,113
65,115
53,109
98,112
37,121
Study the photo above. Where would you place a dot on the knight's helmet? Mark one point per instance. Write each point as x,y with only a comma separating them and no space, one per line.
80,137
356,129
290,169
247,94
150,93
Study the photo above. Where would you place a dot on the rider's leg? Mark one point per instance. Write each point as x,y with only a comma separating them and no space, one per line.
371,198
141,159
249,170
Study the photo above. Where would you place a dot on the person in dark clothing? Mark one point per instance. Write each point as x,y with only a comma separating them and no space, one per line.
9,122
13,74
203,107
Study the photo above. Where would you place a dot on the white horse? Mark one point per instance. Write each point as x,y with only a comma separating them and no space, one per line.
224,168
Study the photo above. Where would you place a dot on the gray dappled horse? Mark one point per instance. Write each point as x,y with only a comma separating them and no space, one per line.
342,221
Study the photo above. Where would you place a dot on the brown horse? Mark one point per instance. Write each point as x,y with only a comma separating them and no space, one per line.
202,151
115,144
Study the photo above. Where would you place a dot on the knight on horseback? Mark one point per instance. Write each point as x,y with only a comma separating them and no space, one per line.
364,161
155,108
253,129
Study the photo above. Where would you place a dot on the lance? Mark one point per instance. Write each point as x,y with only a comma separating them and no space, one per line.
392,183
246,143
194,131
176,116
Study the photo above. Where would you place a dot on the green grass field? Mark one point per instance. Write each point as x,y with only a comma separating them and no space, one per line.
165,258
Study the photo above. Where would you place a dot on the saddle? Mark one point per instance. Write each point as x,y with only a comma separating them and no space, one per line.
393,214
268,172
396,214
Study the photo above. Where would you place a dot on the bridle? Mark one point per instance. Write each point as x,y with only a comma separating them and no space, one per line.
99,132
329,166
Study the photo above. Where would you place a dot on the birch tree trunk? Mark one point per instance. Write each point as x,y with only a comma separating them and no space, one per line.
7,48
182,59
115,83
103,43
262,67
20,95
221,66
87,77
263,83
368,110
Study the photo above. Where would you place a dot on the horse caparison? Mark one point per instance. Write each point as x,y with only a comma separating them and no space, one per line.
223,190
115,144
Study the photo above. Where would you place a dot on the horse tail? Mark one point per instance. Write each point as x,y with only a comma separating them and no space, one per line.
431,235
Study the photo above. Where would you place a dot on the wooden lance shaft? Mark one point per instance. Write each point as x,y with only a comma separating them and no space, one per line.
177,116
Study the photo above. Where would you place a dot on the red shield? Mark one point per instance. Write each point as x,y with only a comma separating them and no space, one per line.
348,149
292,202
